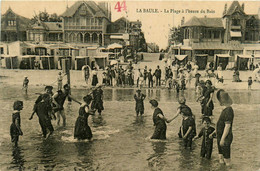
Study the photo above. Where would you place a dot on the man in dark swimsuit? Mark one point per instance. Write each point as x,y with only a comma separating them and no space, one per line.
58,100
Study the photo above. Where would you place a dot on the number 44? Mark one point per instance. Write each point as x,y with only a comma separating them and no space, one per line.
120,6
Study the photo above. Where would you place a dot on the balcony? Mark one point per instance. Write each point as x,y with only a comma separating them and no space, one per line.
83,27
235,27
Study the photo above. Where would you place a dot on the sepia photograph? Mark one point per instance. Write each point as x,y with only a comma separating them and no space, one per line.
130,85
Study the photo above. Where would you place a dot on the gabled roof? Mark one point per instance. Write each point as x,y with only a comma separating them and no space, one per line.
121,19
23,21
204,22
235,6
92,6
50,26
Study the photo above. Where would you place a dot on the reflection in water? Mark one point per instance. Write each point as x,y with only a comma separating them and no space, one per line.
139,121
84,155
157,160
48,151
18,158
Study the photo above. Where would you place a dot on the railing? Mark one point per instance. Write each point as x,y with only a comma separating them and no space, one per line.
83,27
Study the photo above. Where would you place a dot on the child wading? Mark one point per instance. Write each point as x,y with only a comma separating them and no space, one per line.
139,105
250,82
98,99
15,128
207,141
188,128
82,130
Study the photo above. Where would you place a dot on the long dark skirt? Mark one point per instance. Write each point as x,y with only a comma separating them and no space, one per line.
82,130
14,132
160,131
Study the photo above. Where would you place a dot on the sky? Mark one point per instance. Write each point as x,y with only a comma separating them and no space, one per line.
155,26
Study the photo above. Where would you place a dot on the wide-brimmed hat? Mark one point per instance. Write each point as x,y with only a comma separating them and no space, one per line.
224,98
138,90
153,102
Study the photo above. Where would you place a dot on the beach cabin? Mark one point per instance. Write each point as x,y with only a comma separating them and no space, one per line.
9,61
47,62
202,60
60,65
99,61
243,61
221,59
80,61
27,62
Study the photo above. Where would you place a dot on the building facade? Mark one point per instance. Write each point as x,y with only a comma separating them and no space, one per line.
13,26
86,22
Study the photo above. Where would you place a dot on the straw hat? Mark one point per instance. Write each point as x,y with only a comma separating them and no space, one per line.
224,98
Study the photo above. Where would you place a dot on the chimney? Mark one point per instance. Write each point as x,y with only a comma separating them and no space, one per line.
225,9
182,20
243,7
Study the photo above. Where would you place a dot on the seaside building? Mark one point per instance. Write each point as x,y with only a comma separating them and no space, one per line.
232,40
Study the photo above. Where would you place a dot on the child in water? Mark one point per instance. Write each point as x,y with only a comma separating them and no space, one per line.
207,141
188,128
15,128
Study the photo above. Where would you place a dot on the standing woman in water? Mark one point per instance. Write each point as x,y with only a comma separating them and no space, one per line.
224,127
159,121
82,130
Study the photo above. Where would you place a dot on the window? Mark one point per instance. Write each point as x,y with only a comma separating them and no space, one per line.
1,50
11,23
216,34
235,22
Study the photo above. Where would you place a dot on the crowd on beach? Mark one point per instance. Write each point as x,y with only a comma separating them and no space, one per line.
174,76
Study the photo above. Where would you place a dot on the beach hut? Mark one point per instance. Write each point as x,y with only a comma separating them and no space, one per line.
181,59
101,61
202,60
9,61
221,59
80,61
60,66
47,62
242,61
256,59
27,62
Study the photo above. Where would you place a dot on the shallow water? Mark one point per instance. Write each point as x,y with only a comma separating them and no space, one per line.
121,140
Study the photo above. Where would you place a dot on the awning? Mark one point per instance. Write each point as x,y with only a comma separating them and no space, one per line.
28,56
235,34
180,57
256,56
186,48
92,48
8,56
245,56
114,46
81,57
113,62
201,54
99,56
223,55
